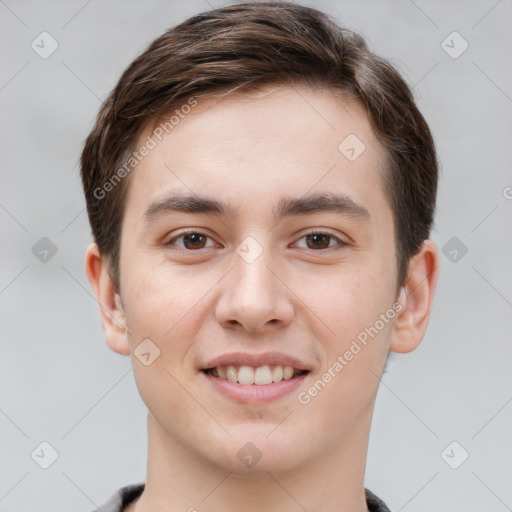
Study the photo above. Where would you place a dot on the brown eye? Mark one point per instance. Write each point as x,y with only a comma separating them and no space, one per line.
191,240
196,241
318,241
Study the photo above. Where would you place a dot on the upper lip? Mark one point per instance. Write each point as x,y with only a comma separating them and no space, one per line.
247,359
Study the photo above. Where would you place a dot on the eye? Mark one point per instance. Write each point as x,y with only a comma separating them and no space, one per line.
321,240
192,240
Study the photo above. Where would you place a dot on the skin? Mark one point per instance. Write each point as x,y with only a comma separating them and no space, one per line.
198,303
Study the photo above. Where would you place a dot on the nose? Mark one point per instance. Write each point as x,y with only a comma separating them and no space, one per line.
254,296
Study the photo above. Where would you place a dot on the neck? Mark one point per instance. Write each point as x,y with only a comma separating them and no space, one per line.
179,479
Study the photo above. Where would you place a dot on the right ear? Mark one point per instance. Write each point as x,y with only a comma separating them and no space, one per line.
113,319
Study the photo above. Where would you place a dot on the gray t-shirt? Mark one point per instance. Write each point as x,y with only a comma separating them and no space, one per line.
130,493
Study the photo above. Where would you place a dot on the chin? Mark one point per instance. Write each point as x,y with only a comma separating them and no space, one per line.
258,449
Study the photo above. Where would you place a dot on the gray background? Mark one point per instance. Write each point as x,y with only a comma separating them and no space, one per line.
61,384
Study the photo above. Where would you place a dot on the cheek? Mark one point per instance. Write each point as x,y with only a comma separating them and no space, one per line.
160,317
346,300
345,389
356,344
168,306
163,391
155,297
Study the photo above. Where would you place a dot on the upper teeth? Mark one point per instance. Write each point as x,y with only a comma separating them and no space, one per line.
261,375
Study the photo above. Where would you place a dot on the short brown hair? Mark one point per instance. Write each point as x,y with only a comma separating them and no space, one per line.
246,47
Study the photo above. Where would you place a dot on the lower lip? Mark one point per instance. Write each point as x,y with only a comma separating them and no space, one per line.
254,393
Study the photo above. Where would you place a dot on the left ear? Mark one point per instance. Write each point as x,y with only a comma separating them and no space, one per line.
410,324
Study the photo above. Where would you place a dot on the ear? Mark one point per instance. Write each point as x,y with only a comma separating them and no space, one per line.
410,324
112,314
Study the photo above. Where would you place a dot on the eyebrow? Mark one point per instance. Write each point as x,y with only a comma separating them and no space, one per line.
306,205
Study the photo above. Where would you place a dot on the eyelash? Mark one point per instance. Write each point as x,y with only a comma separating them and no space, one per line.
340,242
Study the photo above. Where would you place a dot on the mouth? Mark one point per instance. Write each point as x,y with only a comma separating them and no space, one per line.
251,378
256,376
254,386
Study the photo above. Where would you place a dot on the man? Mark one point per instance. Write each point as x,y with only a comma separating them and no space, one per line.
261,189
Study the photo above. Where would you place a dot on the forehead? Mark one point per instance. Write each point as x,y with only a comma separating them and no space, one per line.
273,116
261,145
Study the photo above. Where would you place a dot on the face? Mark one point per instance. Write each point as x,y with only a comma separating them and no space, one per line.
267,267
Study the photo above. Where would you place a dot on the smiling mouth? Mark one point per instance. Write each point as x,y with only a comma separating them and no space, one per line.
261,375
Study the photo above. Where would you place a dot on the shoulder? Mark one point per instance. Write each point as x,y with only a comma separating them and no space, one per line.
122,498
374,503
